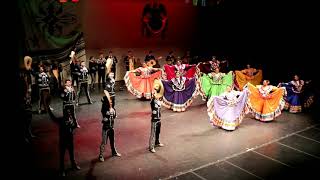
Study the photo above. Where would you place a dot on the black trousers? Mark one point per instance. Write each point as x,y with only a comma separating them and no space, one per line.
113,69
85,86
107,133
155,133
74,79
93,78
113,99
44,98
66,143
71,108
101,77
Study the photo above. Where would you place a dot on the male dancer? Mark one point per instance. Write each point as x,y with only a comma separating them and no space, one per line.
129,61
108,115
156,115
66,130
109,87
114,62
44,90
74,67
93,67
101,70
69,97
83,82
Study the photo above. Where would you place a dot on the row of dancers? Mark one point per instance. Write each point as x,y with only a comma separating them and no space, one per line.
68,122
226,107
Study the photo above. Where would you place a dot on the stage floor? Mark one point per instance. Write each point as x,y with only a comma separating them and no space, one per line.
287,147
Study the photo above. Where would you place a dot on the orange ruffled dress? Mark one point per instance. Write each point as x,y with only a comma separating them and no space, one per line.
265,103
140,81
247,76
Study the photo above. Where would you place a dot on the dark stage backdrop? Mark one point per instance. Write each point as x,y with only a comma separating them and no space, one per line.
118,24
270,34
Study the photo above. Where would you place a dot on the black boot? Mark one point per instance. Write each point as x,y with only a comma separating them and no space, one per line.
115,153
75,166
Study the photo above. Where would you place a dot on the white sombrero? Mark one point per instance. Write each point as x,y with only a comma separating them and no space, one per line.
27,62
158,89
72,54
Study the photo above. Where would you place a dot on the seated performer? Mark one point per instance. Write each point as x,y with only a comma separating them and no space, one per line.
251,75
157,94
228,109
185,70
265,101
295,99
108,115
214,83
141,85
179,92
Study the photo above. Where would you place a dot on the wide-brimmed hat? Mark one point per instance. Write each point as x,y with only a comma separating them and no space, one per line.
158,89
72,54
27,62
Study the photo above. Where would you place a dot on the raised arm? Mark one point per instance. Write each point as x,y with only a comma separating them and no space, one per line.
156,69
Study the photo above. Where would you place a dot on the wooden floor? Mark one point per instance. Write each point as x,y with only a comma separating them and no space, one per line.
286,147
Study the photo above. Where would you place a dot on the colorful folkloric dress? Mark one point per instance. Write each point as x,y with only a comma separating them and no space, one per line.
228,109
250,75
265,103
179,93
185,70
214,84
296,96
141,84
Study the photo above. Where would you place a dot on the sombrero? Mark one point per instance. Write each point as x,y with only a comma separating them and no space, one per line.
27,62
158,89
72,54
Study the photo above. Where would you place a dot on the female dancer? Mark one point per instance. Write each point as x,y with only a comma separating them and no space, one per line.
139,82
214,83
295,98
265,101
185,70
228,109
251,75
179,92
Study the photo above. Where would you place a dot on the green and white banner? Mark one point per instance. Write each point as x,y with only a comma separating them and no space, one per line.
52,29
